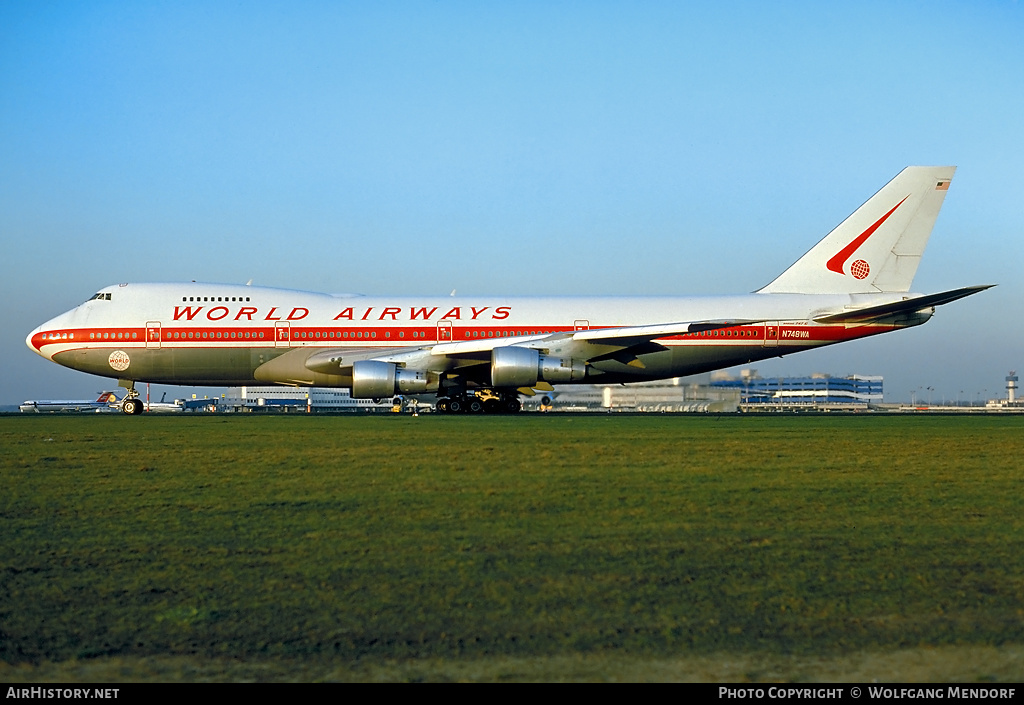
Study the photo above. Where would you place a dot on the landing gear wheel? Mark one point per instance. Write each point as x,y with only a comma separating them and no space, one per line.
493,406
455,406
131,406
442,406
475,406
513,406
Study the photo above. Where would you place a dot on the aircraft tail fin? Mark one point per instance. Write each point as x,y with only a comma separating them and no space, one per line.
877,248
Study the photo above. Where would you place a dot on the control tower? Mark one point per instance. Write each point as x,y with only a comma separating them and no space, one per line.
1011,386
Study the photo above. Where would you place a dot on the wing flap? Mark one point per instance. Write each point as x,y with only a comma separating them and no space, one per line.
621,337
632,335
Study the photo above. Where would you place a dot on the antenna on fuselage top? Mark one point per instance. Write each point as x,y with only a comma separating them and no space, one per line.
249,283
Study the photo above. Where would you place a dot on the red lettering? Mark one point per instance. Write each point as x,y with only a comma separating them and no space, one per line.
390,312
503,310
454,313
209,314
293,317
477,312
347,313
415,313
188,313
366,314
246,311
270,316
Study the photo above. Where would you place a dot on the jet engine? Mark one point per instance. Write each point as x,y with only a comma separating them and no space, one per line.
375,379
514,366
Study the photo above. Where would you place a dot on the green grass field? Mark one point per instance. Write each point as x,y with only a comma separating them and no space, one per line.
393,547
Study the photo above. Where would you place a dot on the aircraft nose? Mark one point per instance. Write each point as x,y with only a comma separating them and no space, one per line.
38,341
35,339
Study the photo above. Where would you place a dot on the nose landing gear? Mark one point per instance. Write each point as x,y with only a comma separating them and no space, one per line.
131,404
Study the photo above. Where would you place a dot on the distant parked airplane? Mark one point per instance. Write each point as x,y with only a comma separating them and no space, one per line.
164,407
480,354
107,401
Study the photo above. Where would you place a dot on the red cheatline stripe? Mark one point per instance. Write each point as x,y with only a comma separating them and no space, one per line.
744,335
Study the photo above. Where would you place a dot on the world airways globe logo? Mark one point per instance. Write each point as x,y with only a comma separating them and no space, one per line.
860,269
119,360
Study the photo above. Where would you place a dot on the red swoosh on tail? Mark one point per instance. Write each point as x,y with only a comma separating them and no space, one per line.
839,259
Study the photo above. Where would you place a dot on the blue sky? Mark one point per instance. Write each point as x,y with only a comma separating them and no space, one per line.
550,148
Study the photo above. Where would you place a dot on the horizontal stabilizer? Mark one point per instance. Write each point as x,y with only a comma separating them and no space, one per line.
918,303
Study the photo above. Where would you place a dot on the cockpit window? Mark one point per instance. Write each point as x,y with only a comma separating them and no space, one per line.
100,296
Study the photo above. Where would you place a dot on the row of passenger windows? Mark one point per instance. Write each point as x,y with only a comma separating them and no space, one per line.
176,335
210,298
504,333
297,335
112,336
417,334
369,334
311,335
738,333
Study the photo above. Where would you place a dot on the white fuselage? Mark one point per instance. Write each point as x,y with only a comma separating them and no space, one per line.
218,334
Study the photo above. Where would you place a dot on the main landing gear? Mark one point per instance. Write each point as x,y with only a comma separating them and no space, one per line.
486,401
131,404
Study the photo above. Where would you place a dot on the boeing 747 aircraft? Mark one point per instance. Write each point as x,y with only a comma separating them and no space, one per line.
479,354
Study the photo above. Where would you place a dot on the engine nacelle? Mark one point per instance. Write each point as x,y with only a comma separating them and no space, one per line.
514,366
559,369
375,379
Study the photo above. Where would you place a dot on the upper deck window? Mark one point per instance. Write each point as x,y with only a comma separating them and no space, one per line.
100,297
199,298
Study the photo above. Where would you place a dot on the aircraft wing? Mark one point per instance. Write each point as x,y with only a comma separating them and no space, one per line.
918,303
636,334
590,344
621,337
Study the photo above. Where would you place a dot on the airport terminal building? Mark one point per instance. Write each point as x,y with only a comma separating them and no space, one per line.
298,399
818,391
720,392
